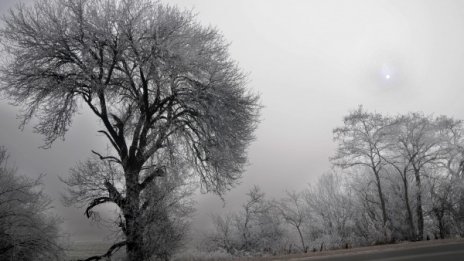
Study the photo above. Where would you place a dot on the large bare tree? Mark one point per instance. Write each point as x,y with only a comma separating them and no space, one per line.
420,142
362,143
162,86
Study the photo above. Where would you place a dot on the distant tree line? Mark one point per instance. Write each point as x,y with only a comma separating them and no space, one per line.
394,178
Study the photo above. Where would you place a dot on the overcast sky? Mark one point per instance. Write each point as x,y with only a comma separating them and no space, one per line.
312,62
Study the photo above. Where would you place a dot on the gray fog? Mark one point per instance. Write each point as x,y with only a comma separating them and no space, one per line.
311,62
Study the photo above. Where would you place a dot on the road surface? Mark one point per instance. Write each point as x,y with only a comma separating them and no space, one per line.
443,252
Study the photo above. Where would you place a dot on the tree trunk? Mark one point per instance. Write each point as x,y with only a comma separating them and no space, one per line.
382,204
133,230
412,230
420,216
134,238
134,250
439,213
305,249
460,213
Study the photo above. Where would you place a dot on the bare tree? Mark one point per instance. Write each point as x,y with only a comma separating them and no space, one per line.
254,229
447,190
294,211
367,216
362,142
419,144
441,191
331,205
162,86
27,230
223,236
402,166
245,221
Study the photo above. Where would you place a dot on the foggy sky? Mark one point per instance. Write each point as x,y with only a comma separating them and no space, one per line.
312,62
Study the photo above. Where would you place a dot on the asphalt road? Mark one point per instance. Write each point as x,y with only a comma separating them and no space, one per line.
447,252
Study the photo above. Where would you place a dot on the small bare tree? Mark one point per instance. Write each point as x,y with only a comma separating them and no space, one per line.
245,221
254,229
295,212
223,237
162,86
331,206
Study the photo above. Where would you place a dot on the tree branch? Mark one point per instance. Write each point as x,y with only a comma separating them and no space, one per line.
158,172
111,158
114,248
94,203
110,139
114,194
